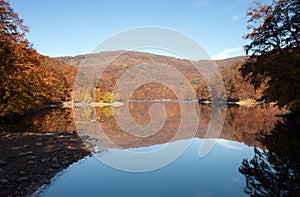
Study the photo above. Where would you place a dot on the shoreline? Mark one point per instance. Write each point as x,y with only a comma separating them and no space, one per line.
70,104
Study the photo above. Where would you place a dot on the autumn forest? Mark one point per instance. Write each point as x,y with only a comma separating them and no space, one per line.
77,124
30,81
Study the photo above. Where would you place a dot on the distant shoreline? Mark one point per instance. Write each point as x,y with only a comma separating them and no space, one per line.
70,104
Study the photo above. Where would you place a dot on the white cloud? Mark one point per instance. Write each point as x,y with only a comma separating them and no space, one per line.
228,144
202,3
228,53
235,18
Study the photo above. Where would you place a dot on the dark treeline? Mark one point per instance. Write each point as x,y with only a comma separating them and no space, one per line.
274,51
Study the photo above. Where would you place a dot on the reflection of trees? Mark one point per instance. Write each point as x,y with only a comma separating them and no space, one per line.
238,126
47,120
275,171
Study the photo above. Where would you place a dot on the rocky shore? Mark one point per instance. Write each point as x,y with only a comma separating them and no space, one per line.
30,160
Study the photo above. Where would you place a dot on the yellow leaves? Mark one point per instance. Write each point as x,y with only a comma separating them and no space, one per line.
110,97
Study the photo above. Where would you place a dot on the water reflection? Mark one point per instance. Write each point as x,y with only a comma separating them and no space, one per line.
48,120
214,175
241,124
34,148
276,170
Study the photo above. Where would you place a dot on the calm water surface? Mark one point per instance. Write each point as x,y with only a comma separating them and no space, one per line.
255,153
214,175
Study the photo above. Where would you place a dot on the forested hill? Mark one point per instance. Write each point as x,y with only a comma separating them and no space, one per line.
236,87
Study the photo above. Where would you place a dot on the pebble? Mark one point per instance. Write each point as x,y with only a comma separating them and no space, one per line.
25,153
26,146
47,181
30,162
33,157
8,135
3,163
66,162
54,159
3,181
22,172
39,144
22,179
55,166
59,149
44,160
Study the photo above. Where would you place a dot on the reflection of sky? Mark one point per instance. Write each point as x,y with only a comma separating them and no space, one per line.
147,149
214,175
229,144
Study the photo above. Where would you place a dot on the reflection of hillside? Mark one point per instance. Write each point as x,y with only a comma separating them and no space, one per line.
241,124
136,138
41,144
244,123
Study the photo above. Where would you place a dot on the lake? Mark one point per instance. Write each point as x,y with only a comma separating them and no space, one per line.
151,149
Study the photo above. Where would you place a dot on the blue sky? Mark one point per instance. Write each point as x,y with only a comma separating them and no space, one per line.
72,27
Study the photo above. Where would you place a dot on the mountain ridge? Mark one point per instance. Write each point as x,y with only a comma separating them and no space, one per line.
119,62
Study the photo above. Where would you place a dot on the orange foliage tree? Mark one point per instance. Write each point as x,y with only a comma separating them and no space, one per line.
28,80
274,50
